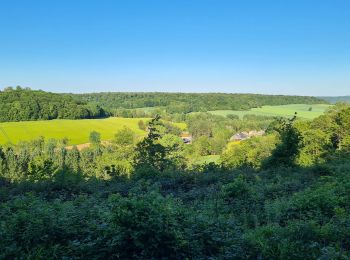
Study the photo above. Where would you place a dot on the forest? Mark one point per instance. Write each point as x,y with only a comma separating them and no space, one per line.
283,195
24,104
118,103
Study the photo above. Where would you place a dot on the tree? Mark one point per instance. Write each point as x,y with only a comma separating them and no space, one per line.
201,125
175,149
202,145
149,152
341,127
288,148
142,125
73,159
249,153
219,140
95,137
124,136
313,147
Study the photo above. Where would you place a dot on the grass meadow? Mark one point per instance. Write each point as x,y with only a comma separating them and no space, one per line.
303,110
77,131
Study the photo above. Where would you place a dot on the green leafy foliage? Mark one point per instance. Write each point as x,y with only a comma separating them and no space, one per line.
95,137
110,202
251,153
126,104
288,149
25,104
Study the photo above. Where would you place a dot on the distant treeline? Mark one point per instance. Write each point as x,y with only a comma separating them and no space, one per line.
22,104
190,102
334,100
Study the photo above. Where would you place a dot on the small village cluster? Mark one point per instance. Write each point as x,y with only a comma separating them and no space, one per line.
187,137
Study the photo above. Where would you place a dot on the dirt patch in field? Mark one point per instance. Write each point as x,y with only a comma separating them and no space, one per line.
86,145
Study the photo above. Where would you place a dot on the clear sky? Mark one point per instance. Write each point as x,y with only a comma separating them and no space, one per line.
277,47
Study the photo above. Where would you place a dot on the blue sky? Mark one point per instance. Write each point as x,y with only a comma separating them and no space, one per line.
276,47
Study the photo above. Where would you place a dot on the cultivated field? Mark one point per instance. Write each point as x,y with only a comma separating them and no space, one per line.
284,111
77,131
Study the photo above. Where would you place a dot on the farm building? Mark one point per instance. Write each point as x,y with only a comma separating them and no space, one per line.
186,137
246,135
239,136
256,133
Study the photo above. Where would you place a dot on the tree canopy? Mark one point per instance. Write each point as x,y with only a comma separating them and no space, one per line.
25,104
174,103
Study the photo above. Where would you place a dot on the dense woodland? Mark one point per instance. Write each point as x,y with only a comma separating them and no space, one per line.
117,103
284,195
23,104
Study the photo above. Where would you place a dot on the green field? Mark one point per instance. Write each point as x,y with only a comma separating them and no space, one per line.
208,159
284,111
77,131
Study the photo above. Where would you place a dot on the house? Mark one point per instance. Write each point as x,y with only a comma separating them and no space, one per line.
239,137
246,135
186,137
256,133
